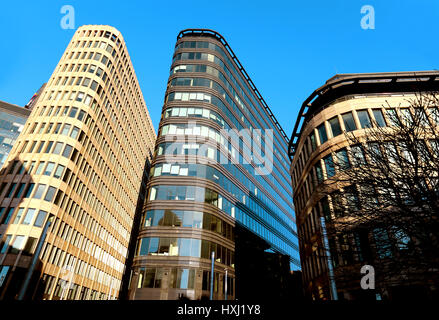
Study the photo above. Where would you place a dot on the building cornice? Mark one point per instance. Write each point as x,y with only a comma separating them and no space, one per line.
360,83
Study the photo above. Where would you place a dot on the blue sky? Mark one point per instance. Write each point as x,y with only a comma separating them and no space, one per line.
289,48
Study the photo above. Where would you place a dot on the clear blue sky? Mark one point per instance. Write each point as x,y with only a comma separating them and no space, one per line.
289,48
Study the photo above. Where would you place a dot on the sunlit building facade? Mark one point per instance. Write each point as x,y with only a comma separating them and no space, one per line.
219,182
320,149
70,186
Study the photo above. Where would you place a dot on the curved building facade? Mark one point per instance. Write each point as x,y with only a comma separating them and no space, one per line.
70,185
346,103
219,176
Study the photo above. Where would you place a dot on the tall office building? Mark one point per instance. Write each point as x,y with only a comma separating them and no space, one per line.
12,120
321,152
70,187
219,184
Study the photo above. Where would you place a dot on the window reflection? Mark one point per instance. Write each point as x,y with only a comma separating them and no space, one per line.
191,219
185,247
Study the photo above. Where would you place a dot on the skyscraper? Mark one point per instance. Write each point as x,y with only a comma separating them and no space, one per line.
70,187
12,120
219,183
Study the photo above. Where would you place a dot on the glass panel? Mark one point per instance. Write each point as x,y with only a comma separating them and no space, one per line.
184,279
363,116
335,126
49,194
148,281
39,192
358,157
406,116
49,168
349,122
329,165
58,147
40,218
18,216
29,189
59,171
17,245
153,245
312,137
379,118
319,172
195,248
29,215
40,167
434,114
322,133
185,247
342,159
67,151
144,246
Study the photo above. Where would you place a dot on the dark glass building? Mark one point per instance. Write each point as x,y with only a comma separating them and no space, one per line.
219,183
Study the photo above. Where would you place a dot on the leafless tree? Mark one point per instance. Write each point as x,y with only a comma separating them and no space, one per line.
384,197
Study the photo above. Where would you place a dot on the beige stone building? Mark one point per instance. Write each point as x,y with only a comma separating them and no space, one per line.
70,185
345,103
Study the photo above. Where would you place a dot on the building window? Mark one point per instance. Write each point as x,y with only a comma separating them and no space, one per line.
49,168
40,147
18,216
29,190
329,166
17,245
67,151
20,190
335,126
49,194
49,146
349,122
80,96
357,155
58,147
406,116
11,190
363,117
342,159
312,138
40,218
66,129
322,133
183,278
379,118
319,172
40,167
39,192
6,243
58,172
29,216
382,243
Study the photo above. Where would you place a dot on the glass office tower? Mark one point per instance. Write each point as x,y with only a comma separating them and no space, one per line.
219,182
12,120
